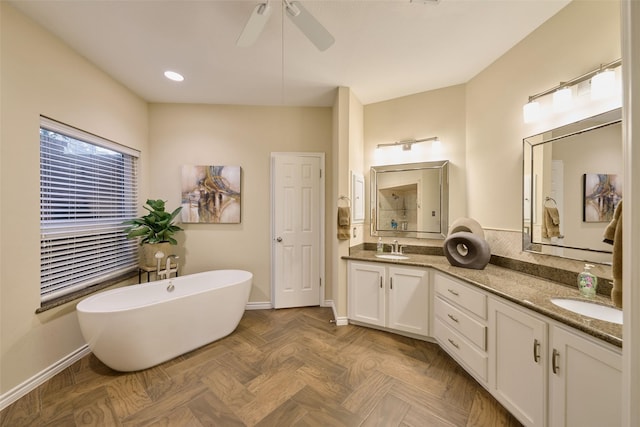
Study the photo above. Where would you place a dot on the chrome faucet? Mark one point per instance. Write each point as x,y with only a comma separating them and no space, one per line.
168,269
396,248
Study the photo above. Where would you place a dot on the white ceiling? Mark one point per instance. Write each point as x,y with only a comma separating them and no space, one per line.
384,48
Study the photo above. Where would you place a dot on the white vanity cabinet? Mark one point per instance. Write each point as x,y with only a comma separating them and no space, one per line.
585,380
548,374
544,372
518,354
387,296
366,287
460,316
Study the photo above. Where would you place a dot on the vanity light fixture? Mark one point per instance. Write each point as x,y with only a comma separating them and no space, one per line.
531,111
172,75
602,85
407,143
562,99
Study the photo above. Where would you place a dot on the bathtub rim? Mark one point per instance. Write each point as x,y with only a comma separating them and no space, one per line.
81,306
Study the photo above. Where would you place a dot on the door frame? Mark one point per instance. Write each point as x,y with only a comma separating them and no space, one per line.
322,236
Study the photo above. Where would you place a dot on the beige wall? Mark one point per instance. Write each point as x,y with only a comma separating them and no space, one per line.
438,113
231,135
481,123
42,76
577,40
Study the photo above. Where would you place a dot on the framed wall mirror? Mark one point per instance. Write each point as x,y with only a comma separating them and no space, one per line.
572,182
410,200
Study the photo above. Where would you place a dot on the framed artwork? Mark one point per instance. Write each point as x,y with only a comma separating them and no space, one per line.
601,195
211,194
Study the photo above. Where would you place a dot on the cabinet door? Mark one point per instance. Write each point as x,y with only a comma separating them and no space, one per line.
409,300
585,381
518,366
366,293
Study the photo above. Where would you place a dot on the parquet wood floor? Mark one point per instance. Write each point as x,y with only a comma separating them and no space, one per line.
287,367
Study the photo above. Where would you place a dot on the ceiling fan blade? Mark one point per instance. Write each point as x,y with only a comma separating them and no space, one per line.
254,25
315,32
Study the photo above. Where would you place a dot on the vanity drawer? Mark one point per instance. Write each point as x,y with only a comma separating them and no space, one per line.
463,295
459,348
456,319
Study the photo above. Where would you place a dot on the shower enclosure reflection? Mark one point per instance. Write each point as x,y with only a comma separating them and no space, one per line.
410,200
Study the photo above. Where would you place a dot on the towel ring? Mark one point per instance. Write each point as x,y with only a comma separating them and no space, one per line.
550,199
344,198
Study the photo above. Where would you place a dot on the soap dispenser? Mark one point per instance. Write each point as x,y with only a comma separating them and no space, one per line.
380,247
587,282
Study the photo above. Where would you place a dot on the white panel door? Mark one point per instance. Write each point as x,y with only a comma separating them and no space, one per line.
296,229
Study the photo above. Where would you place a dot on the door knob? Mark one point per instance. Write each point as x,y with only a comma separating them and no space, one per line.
279,239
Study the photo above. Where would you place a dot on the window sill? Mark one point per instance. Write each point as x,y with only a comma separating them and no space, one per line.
84,292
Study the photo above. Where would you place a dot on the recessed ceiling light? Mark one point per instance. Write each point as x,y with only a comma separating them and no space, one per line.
172,75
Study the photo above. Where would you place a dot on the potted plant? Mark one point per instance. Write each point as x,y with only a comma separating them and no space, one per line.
155,230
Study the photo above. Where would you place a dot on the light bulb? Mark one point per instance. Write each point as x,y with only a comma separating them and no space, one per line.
172,75
531,112
603,84
562,99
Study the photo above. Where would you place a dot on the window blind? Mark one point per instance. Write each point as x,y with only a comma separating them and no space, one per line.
88,187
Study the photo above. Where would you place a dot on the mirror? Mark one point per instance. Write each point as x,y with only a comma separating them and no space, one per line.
572,184
410,200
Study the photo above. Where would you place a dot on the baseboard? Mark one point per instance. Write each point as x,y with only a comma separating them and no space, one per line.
41,377
339,321
265,305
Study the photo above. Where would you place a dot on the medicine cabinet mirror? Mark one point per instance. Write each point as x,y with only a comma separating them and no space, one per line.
572,183
410,200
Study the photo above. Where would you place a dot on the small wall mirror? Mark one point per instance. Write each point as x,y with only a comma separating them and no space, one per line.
410,200
572,184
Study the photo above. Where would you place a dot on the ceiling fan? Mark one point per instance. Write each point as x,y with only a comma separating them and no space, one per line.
315,32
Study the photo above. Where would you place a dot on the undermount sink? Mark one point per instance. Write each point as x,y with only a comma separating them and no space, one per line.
590,309
391,256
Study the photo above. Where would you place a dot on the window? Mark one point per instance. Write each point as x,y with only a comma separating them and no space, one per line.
88,187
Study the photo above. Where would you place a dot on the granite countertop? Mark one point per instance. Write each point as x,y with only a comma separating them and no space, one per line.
528,291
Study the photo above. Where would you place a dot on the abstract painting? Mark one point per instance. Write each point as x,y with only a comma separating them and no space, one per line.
602,192
211,194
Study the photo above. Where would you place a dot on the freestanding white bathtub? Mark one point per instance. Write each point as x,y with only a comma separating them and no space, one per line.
139,326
